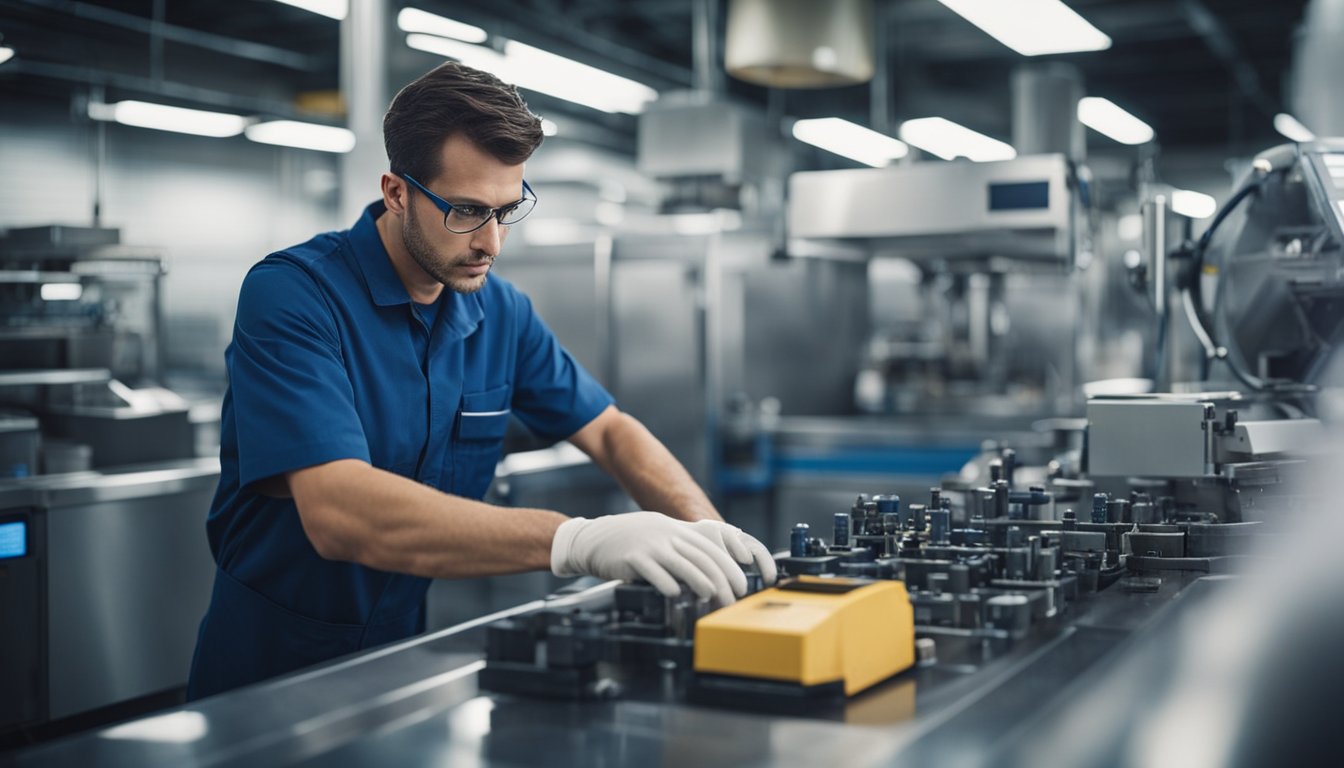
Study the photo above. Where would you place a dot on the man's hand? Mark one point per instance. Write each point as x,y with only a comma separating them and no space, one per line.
743,547
662,551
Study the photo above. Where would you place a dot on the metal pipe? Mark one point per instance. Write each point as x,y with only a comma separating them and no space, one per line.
96,94
879,89
204,96
1224,48
711,365
1155,243
364,86
193,37
603,249
704,45
578,40
156,41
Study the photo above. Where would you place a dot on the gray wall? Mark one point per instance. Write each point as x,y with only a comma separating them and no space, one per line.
213,207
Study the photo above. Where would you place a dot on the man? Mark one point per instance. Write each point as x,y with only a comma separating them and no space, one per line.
367,406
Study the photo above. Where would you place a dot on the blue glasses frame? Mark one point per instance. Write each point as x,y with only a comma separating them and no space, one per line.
497,214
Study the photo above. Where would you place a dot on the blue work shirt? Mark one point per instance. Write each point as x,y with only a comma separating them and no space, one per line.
330,360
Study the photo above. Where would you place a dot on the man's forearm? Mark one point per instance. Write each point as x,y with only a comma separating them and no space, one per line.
650,473
352,511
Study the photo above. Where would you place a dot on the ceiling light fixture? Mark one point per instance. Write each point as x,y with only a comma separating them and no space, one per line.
1032,27
1104,117
1196,205
61,291
1284,123
332,9
291,133
850,140
948,140
537,70
143,114
416,20
575,81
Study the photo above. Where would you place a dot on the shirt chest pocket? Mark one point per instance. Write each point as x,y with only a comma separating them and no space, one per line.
477,437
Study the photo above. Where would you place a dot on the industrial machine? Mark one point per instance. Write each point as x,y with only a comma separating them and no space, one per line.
1019,602
80,347
959,254
805,642
104,566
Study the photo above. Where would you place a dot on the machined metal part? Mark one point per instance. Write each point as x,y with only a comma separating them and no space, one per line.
1149,438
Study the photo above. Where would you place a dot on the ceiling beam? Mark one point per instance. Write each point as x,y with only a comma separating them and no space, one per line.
198,96
245,49
1219,40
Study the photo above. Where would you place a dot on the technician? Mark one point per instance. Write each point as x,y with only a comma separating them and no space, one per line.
367,406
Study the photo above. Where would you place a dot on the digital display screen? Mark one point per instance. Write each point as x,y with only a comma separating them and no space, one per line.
13,540
1019,196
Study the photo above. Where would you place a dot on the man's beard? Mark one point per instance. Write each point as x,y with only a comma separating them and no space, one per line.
422,253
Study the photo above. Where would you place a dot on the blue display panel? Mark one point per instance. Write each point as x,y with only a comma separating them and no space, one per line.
13,540
1019,196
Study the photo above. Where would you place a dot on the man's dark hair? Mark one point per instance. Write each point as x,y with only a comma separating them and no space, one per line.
453,98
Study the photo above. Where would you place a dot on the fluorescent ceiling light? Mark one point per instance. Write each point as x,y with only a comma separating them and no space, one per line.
573,81
143,114
949,140
1196,205
416,20
290,133
1104,117
480,57
1284,123
537,70
1032,27
61,291
6,53
548,127
332,9
850,140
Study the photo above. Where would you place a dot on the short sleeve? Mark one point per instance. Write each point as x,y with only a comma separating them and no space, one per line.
553,395
293,401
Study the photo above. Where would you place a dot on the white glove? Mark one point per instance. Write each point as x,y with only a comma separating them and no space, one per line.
743,547
660,550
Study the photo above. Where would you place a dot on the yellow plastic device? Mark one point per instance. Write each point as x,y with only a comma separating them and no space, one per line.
812,631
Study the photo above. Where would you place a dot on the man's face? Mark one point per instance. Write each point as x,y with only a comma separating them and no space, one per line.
468,176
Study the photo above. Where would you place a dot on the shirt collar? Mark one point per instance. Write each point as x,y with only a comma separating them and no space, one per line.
385,287
464,313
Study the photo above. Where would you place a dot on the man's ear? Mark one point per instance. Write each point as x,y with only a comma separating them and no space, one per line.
396,194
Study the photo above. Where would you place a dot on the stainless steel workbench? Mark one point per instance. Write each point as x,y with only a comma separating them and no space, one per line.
417,703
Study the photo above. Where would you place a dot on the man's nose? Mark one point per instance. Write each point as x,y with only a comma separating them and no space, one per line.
489,238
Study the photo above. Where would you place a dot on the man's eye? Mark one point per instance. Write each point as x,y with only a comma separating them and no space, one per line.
469,211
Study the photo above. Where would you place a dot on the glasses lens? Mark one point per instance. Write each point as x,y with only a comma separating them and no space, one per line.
465,218
518,212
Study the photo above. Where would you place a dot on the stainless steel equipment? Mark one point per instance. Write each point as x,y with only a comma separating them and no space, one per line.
80,320
960,255
108,591
1262,289
74,297
1023,208
116,570
20,444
